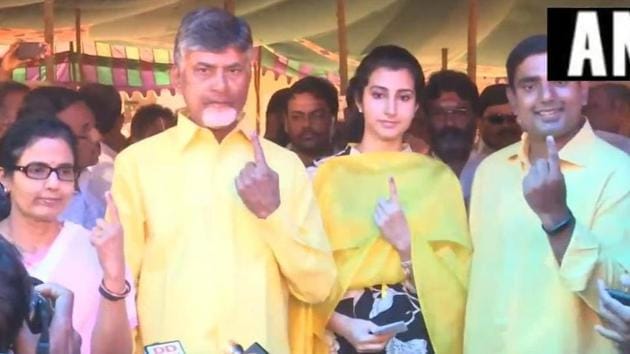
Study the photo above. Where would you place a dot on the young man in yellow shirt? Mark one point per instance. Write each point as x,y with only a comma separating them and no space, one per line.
220,225
547,215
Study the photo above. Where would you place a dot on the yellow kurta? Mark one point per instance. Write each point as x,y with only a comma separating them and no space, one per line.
347,190
520,300
207,269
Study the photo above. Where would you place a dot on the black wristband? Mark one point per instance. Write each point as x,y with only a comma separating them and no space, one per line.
112,296
559,227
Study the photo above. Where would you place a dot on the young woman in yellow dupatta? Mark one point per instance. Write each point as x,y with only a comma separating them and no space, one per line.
397,225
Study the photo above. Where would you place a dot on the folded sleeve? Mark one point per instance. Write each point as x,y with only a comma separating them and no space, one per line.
297,239
599,242
127,196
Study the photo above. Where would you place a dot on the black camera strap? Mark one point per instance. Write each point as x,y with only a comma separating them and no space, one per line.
43,344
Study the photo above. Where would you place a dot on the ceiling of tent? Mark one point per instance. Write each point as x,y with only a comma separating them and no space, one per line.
301,29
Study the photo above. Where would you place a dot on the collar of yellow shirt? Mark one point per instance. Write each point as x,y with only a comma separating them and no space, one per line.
187,129
577,152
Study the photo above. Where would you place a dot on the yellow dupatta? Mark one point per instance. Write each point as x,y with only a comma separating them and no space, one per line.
347,189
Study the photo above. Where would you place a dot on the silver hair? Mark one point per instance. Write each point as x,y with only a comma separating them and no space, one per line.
213,30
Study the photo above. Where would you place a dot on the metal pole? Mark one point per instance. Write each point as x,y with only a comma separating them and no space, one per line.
343,46
444,58
473,14
229,6
49,36
79,47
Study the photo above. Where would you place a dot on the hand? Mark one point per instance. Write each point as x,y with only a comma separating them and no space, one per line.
10,60
257,184
615,317
63,339
107,238
392,222
544,188
359,333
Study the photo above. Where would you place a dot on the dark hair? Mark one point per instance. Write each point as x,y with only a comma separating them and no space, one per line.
211,29
8,87
15,294
105,103
278,105
453,81
25,132
320,88
47,101
355,124
527,47
278,101
491,96
147,115
391,57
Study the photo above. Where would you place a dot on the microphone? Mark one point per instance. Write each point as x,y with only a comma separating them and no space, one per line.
173,347
256,349
235,348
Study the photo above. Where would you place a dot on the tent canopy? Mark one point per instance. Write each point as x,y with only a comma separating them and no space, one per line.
306,30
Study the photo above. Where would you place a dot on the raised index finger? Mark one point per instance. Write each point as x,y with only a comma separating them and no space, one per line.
552,155
259,154
393,190
112,209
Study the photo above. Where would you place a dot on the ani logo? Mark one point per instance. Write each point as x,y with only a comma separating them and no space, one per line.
589,44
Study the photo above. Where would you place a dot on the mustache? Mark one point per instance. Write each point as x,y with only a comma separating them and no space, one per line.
307,131
216,101
454,133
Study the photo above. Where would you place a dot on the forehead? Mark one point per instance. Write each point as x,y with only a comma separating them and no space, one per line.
305,100
504,108
49,150
597,94
399,79
16,95
449,99
77,113
533,67
226,57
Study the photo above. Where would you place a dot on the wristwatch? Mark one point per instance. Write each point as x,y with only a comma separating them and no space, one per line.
559,227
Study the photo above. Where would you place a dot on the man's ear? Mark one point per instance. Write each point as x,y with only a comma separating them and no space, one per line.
176,76
511,96
623,107
4,179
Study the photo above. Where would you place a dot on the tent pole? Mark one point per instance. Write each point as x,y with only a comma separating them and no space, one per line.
257,79
229,6
343,46
78,48
444,58
473,15
49,35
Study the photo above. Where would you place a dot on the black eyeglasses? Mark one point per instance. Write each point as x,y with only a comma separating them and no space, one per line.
41,171
460,114
498,119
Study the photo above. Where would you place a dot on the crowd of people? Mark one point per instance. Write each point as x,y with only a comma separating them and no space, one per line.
433,219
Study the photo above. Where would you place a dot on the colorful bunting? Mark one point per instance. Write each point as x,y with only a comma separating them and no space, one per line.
142,69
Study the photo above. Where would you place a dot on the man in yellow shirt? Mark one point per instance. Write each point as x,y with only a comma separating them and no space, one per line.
547,215
221,226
